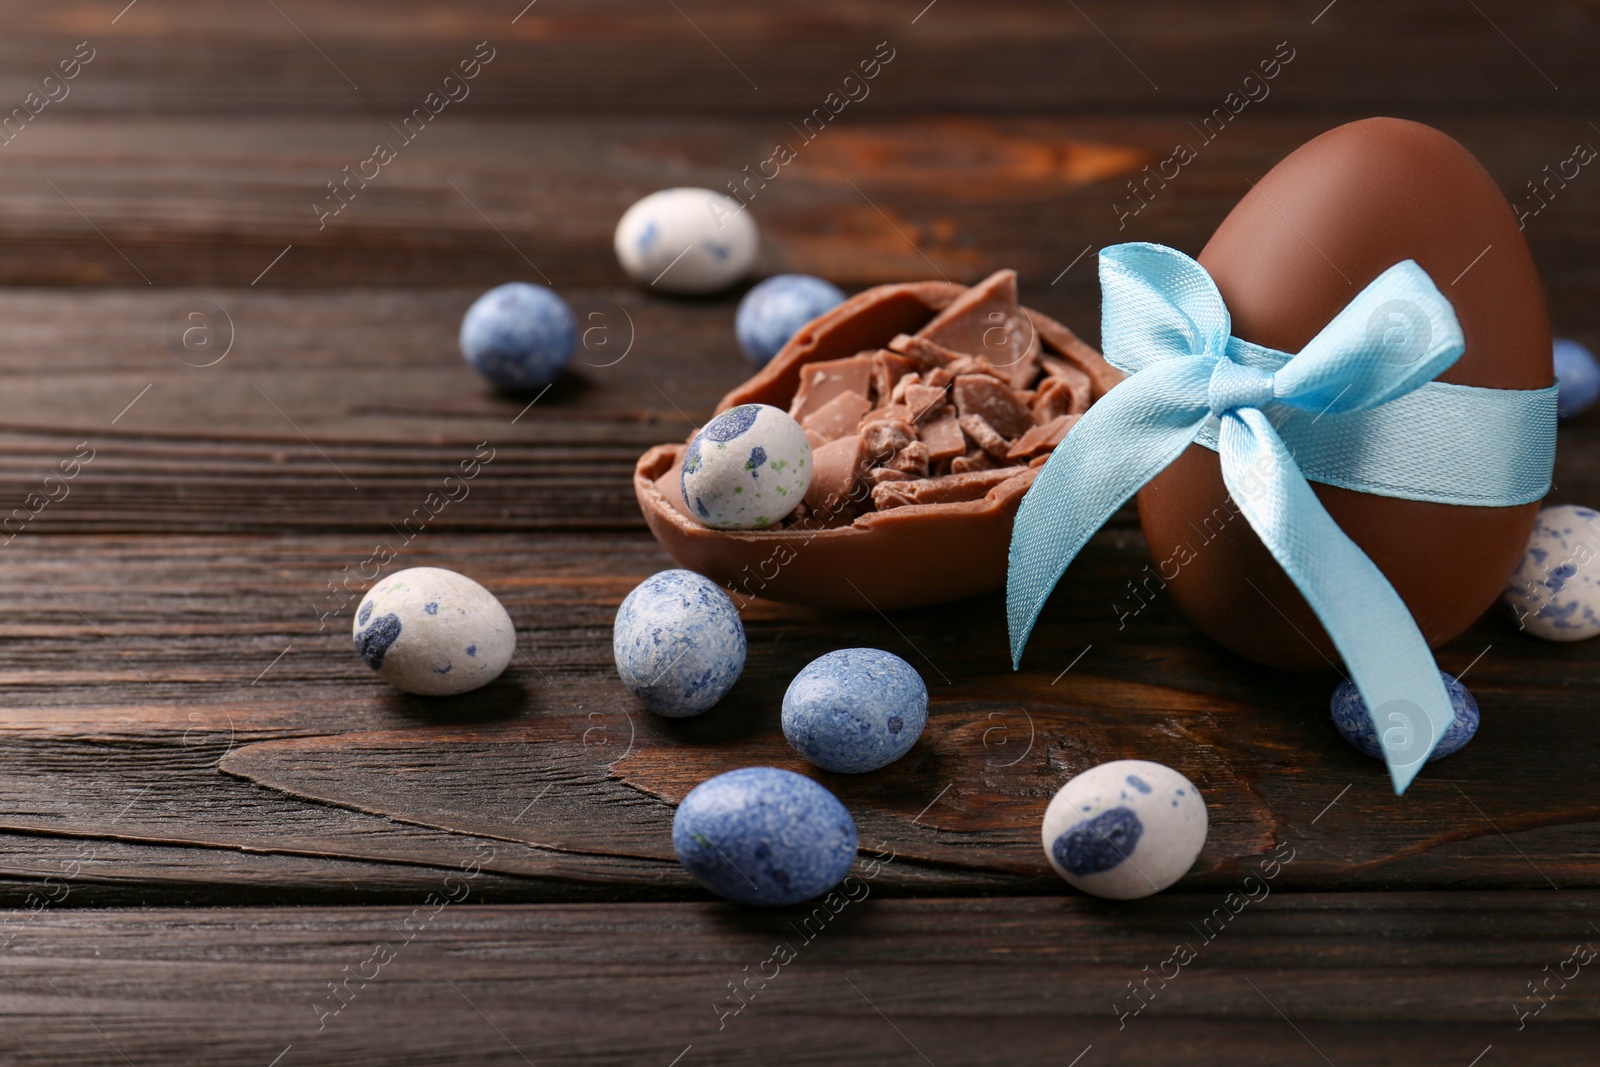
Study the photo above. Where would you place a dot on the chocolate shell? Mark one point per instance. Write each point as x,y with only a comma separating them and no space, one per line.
1316,229
906,556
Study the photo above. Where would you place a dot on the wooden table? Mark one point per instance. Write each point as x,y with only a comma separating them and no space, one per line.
223,840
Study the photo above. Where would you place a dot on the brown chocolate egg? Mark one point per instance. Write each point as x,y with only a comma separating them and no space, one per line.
1306,239
911,550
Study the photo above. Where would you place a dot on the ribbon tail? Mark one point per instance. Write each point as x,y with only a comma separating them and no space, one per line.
1128,437
1388,659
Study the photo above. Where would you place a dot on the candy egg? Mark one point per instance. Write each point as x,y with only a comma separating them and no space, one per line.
519,336
855,710
774,311
1578,375
1555,592
1307,237
766,836
678,642
687,241
746,468
1410,732
432,631
1125,829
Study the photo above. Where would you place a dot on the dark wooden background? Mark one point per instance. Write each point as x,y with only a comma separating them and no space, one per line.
211,811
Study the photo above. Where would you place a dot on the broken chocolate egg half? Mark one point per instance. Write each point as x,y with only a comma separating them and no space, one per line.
929,407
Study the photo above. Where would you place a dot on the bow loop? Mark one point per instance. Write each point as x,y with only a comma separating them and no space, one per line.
1170,301
1398,333
1233,386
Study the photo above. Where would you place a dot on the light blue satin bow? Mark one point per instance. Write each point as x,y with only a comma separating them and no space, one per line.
1359,401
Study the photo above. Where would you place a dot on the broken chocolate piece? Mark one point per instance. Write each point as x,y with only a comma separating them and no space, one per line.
942,434
976,460
835,469
1077,382
912,459
836,418
989,399
821,382
947,490
923,401
887,368
984,436
925,355
1041,438
880,475
987,322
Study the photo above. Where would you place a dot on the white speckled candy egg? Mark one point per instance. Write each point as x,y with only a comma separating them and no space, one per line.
746,468
1555,592
432,631
1125,829
687,241
678,642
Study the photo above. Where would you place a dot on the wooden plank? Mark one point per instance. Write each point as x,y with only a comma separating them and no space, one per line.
481,200
344,410
1356,978
563,56
200,692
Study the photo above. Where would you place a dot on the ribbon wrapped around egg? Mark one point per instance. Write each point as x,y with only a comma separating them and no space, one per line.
1357,407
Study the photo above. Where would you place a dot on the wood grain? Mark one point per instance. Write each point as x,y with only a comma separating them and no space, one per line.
1010,981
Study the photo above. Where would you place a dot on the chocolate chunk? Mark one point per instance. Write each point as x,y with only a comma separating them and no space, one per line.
984,436
1065,375
1041,438
925,355
836,418
888,368
882,440
985,397
976,460
880,475
987,322
912,459
949,489
942,434
1064,341
897,395
835,469
1054,399
924,401
821,382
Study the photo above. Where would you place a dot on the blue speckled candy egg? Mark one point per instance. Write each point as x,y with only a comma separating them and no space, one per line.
1409,733
679,643
746,468
760,835
519,336
687,241
432,631
774,311
1578,375
1555,592
855,710
1125,829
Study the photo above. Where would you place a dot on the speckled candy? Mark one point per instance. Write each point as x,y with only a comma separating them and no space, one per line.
519,336
1355,724
855,710
687,241
678,642
1125,829
760,835
773,312
1555,592
746,468
432,631
1578,375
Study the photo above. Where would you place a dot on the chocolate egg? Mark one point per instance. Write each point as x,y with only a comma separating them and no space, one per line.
905,556
1306,239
